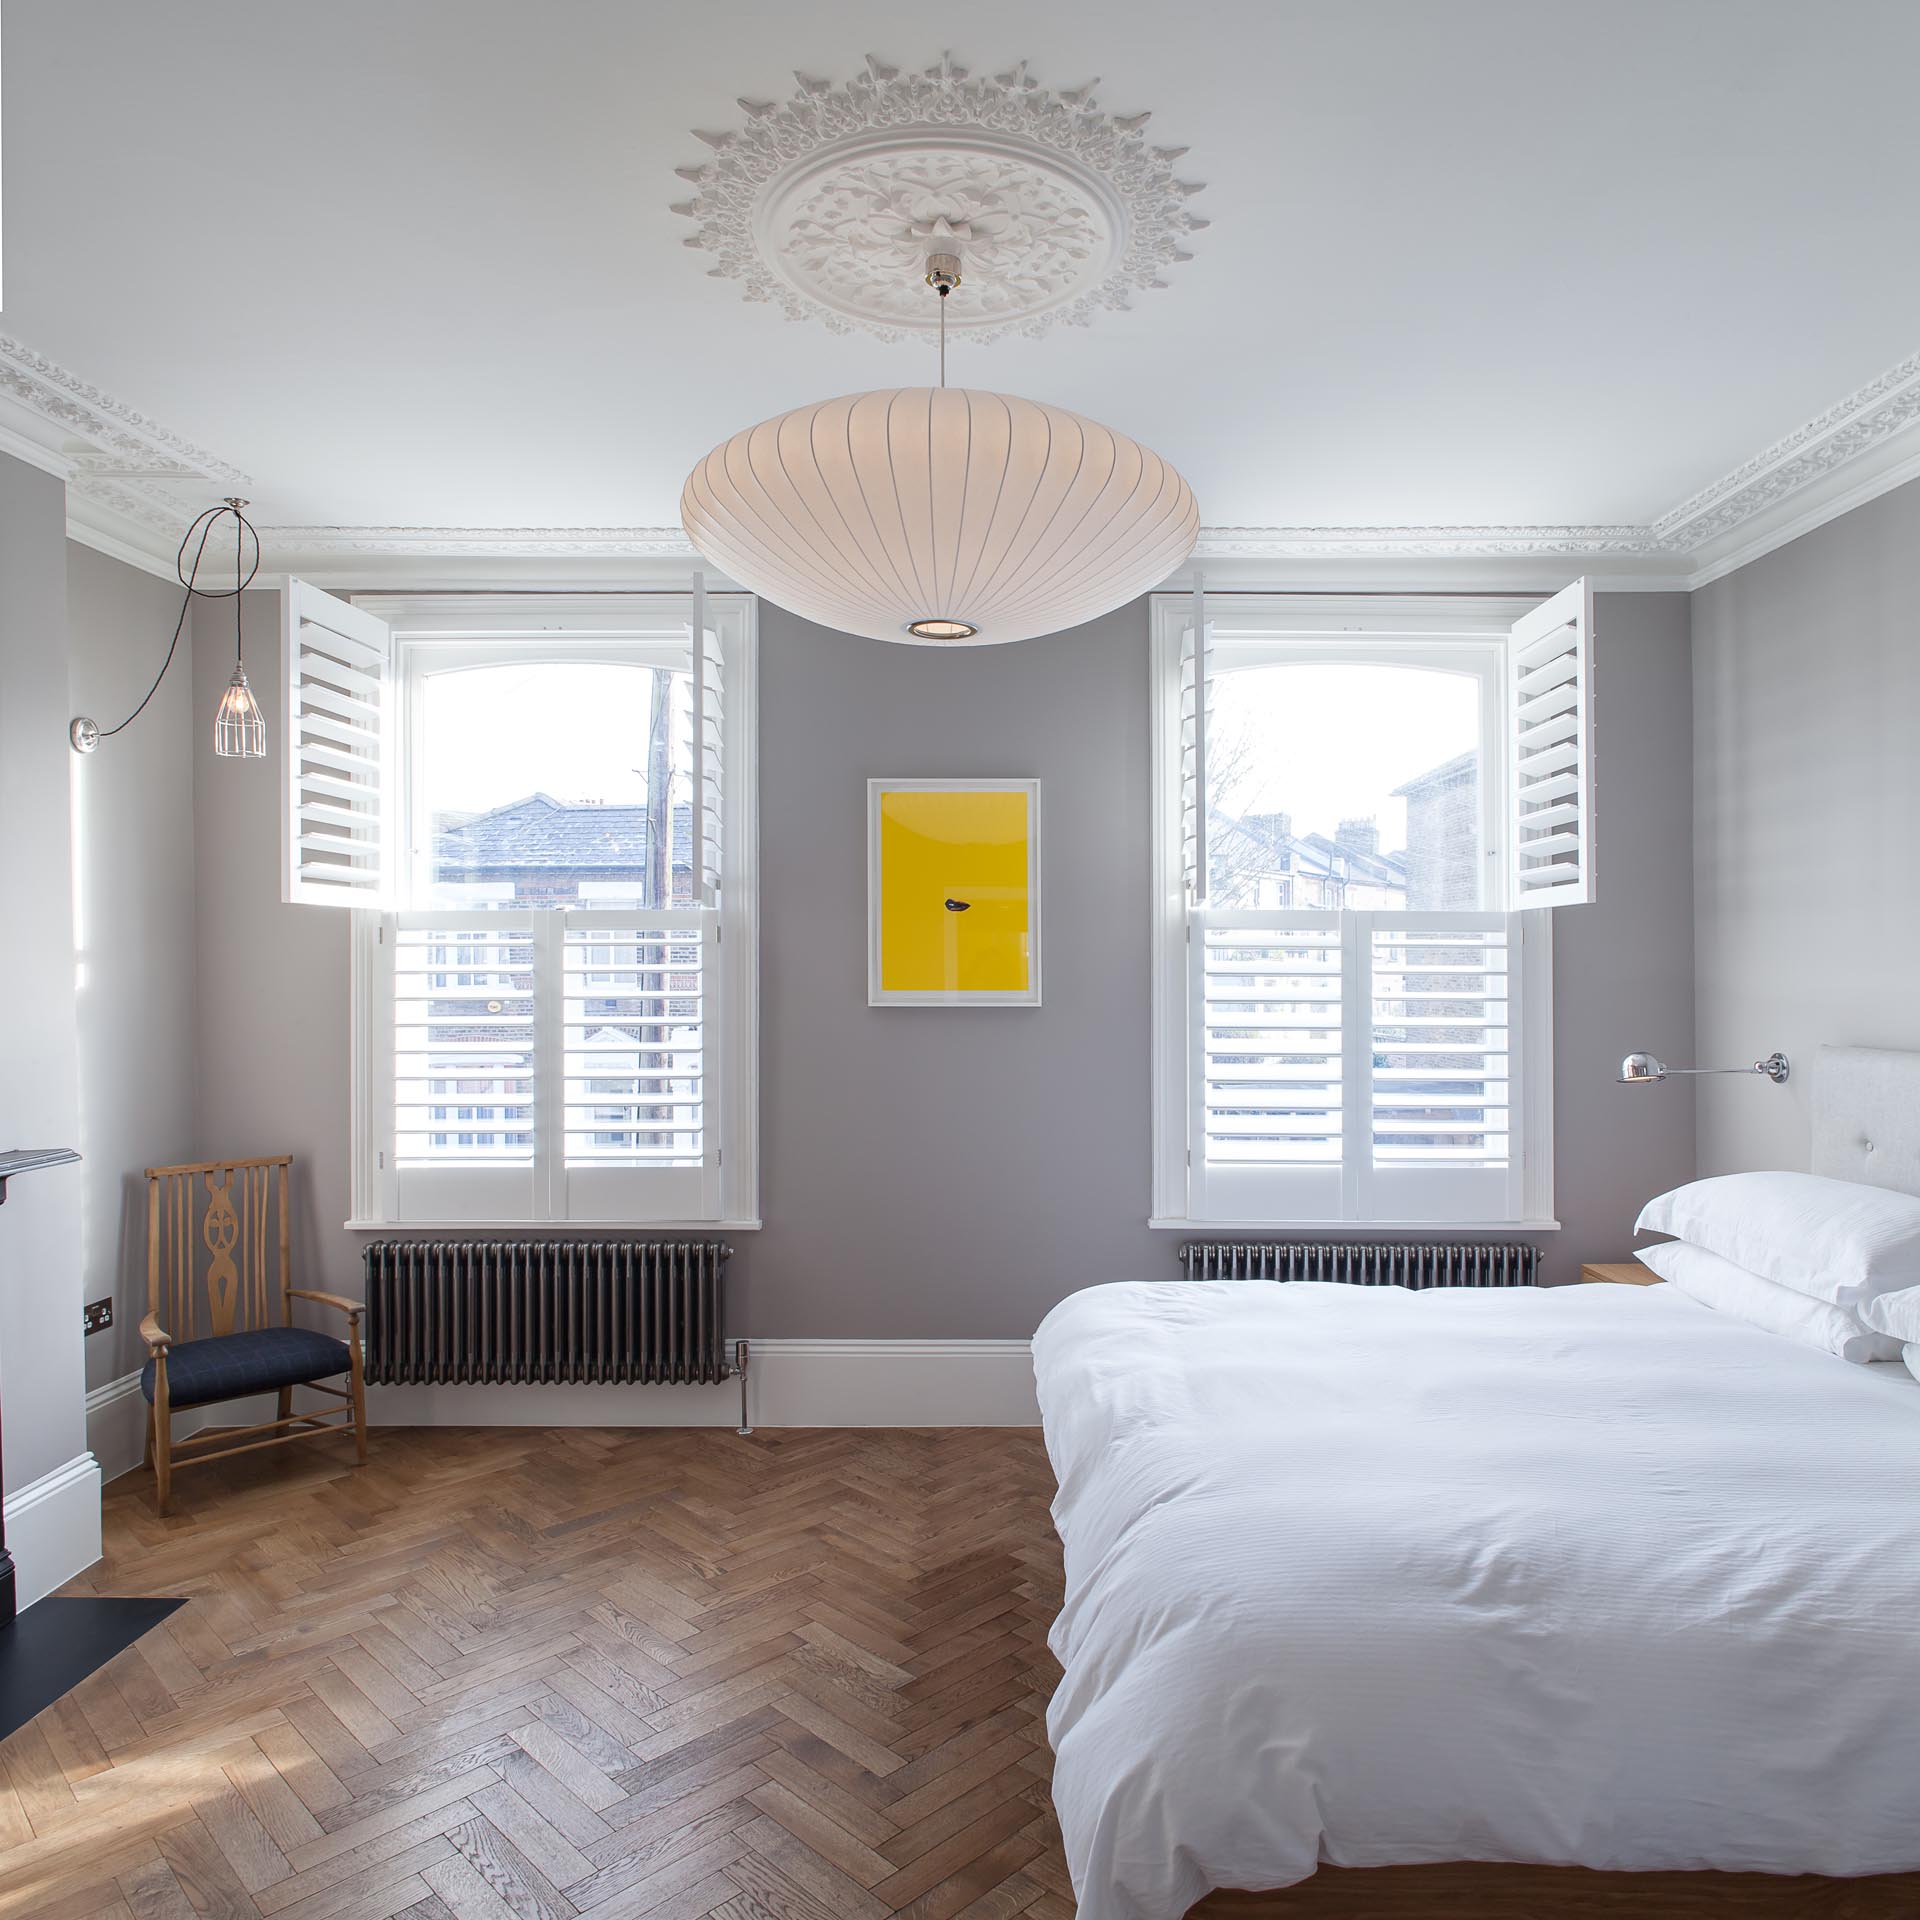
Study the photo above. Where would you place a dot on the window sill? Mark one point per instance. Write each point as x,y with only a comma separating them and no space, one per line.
1357,1226
551,1226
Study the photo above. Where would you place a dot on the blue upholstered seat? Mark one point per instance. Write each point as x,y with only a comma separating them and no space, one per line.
232,1364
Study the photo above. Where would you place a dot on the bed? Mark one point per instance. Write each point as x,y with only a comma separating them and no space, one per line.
1585,1577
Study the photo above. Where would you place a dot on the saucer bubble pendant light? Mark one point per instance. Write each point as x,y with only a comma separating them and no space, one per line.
940,516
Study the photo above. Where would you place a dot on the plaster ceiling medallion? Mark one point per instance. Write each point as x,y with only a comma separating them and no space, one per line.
827,202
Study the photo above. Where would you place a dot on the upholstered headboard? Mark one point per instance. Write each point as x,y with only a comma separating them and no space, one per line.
1866,1116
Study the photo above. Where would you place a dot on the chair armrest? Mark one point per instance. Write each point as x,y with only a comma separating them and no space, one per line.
154,1334
351,1308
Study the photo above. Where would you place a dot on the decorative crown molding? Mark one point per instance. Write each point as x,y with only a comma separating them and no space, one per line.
133,484
828,203
645,543
1859,425
1419,543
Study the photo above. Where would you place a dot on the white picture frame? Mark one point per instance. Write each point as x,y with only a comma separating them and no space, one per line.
953,897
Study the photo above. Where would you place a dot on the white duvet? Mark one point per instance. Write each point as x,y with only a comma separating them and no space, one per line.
1585,1575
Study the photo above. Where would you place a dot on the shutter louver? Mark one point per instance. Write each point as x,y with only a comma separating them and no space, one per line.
1441,1046
1270,1072
336,800
1550,753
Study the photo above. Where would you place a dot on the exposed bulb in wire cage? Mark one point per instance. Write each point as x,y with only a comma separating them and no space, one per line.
239,727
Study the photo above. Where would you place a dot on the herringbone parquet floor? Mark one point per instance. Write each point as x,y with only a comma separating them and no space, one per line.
529,1674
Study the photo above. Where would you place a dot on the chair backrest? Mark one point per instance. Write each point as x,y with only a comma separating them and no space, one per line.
217,1246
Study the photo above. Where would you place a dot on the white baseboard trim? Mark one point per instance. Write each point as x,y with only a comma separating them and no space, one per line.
53,1527
893,1383
117,1425
790,1383
117,1422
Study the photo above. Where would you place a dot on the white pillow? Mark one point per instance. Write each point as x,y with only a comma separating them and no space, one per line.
1833,1239
1895,1313
1728,1289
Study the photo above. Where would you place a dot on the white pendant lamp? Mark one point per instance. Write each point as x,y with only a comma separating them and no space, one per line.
940,516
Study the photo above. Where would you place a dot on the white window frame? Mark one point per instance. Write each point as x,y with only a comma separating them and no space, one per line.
438,633
1452,634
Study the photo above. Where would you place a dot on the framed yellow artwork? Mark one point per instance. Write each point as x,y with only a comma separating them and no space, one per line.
953,893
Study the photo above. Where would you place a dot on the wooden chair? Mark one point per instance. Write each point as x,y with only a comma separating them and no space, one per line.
231,1346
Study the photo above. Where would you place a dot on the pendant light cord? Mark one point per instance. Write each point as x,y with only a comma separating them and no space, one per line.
203,524
943,339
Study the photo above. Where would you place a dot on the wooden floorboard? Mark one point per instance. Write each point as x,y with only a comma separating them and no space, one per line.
635,1675
537,1675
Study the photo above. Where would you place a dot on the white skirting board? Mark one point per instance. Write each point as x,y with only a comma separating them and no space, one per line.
791,1383
117,1425
53,1528
117,1422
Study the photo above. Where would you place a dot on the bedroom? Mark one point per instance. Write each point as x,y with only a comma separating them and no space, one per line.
673,1080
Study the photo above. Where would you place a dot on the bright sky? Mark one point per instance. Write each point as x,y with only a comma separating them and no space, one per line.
1330,743
575,731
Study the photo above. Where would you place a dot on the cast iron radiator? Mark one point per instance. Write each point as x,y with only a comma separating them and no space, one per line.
1365,1263
645,1312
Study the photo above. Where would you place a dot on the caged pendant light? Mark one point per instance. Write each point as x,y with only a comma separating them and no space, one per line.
239,728
940,516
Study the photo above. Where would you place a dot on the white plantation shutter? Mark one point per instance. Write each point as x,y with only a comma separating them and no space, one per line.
1196,712
1442,1063
1550,753
462,1010
709,735
1266,1055
1353,1066
337,794
638,1050
1441,1057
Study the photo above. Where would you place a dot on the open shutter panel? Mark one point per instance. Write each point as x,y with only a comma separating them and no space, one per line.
1196,684
1550,753
707,817
337,801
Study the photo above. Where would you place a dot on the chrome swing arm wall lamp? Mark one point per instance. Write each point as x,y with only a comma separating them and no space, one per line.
239,728
1642,1069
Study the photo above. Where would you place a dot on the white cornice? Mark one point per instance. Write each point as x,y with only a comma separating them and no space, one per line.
1419,543
132,485
1861,424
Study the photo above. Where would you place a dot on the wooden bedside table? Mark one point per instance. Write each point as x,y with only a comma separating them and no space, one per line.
1621,1273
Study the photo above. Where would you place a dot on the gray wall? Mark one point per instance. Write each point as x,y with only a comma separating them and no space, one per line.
933,1174
1806,817
271,980
41,1369
133,803
1623,967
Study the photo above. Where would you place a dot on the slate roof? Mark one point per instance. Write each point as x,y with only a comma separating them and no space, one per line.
541,833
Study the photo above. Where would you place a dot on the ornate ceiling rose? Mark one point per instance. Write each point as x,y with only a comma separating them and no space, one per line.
825,202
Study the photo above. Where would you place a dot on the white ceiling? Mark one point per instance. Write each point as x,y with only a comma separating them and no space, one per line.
1487,263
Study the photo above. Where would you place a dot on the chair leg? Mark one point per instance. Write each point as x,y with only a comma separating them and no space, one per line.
146,1459
359,1386
286,1402
162,1443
